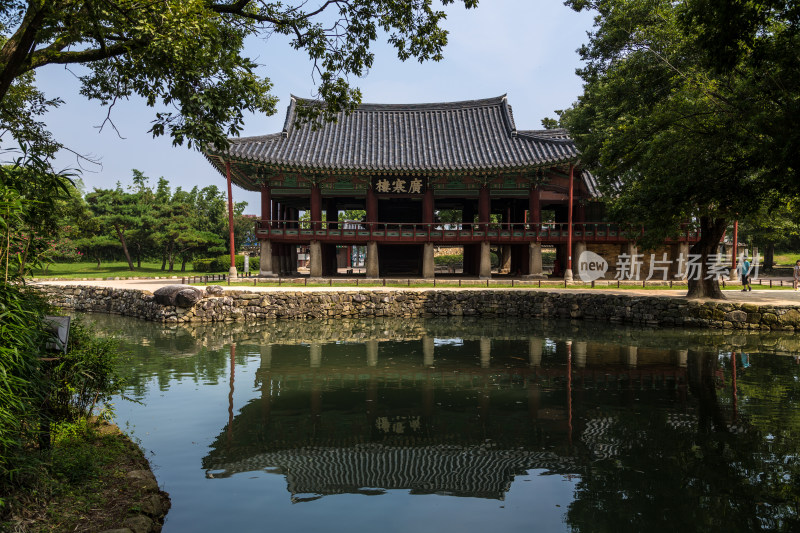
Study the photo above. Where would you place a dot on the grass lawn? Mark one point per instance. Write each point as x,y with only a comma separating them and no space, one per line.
108,270
788,259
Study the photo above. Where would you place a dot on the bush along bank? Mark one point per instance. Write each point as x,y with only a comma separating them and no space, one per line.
59,469
93,479
181,303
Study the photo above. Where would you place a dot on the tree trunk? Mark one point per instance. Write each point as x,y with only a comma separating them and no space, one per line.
164,259
98,262
701,367
769,256
121,236
183,264
15,50
711,231
171,257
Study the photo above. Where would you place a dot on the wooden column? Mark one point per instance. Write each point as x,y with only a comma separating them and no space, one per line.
427,207
568,271
316,206
232,271
372,205
468,217
534,207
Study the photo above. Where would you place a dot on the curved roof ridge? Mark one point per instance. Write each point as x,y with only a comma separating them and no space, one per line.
558,135
468,136
371,106
254,138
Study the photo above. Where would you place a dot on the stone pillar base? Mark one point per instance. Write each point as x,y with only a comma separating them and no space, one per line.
428,264
315,259
265,261
485,271
372,260
232,274
535,269
505,259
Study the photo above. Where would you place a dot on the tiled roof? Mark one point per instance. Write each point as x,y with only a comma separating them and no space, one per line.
474,471
469,136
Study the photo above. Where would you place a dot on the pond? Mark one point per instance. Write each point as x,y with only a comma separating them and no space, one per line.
465,425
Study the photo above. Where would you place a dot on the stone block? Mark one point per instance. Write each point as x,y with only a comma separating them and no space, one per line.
215,290
178,295
736,316
769,318
790,318
139,524
143,480
154,506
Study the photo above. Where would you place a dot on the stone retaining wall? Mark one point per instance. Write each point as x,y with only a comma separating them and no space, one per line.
253,306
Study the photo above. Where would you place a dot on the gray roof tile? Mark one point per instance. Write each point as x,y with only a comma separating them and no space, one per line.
469,136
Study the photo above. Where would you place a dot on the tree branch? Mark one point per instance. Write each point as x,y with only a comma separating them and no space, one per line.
47,57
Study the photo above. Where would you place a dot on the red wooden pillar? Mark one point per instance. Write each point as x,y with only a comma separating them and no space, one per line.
316,206
569,380
569,216
484,205
230,394
230,211
266,203
427,206
372,205
534,206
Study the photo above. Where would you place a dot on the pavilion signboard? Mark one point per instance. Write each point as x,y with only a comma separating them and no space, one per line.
398,185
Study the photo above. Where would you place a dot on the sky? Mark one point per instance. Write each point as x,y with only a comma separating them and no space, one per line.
523,48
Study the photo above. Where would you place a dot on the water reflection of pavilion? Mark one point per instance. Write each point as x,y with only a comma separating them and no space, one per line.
455,416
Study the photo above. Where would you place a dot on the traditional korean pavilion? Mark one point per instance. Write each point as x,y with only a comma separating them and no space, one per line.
403,164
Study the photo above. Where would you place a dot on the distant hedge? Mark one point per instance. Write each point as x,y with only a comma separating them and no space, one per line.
456,260
223,263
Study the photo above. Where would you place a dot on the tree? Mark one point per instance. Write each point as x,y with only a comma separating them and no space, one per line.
188,54
673,136
115,209
775,225
141,237
33,202
181,229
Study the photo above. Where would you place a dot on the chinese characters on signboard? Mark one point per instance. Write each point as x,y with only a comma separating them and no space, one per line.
392,185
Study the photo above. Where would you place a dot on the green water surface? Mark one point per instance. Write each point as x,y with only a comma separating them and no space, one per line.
465,425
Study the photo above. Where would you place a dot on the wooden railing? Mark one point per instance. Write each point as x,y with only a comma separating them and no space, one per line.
355,232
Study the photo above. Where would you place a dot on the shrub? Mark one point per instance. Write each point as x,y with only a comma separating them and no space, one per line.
85,376
22,334
202,265
223,263
449,260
